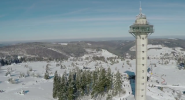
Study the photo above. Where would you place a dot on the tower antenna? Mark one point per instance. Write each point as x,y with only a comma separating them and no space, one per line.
140,8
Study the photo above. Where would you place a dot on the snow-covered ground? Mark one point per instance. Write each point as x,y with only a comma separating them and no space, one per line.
63,43
37,88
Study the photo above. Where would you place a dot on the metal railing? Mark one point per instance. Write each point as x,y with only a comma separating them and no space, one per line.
145,31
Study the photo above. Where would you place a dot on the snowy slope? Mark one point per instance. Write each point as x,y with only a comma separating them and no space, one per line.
41,89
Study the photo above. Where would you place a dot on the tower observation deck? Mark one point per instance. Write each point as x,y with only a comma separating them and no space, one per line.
141,29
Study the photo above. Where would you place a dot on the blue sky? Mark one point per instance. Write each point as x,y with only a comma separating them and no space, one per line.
65,19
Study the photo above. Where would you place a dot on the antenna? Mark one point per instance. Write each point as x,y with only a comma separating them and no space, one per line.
140,8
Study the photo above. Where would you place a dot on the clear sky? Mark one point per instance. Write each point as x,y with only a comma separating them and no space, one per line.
59,19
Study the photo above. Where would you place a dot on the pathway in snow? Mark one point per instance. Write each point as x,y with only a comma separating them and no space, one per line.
58,51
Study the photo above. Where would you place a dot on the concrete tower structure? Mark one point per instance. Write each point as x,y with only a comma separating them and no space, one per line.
141,29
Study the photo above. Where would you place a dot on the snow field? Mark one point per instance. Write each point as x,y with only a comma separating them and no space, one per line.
41,89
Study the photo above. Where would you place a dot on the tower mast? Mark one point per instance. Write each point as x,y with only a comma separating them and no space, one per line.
140,9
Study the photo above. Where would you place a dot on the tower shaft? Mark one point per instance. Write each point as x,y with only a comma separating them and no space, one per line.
141,68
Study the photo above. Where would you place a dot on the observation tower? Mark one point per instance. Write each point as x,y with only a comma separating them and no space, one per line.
141,29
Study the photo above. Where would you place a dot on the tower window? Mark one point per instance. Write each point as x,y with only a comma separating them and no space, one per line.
142,89
143,51
143,38
143,64
143,58
142,77
143,45
143,71
141,95
142,83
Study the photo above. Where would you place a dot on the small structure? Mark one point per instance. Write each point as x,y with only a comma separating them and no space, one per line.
1,91
22,92
148,78
62,67
57,65
181,66
86,67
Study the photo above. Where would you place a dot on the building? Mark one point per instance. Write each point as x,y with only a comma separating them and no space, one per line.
141,29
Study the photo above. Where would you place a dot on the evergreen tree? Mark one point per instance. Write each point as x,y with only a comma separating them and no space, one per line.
2,62
102,82
95,77
118,83
55,84
63,88
46,76
71,87
109,79
109,97
83,83
88,82
100,86
78,83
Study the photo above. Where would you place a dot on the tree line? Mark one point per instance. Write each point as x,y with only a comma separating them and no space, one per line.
79,83
4,62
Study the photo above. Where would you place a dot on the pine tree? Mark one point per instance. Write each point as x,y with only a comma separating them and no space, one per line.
95,77
62,95
100,85
78,83
109,79
55,84
118,83
83,83
71,87
88,82
109,97
46,76
102,82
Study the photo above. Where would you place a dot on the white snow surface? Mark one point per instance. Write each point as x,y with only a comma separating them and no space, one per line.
63,43
41,89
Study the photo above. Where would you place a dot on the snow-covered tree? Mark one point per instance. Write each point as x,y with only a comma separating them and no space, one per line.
46,76
8,73
28,73
12,81
21,75
179,95
30,69
38,75
109,97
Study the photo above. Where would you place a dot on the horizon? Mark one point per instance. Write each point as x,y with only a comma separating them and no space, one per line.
48,20
90,39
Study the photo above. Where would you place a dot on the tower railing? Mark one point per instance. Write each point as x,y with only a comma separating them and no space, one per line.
143,31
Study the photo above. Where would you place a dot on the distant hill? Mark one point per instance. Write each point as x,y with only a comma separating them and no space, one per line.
45,50
2,45
39,50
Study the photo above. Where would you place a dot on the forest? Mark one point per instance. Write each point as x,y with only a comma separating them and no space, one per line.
79,83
